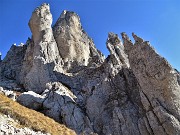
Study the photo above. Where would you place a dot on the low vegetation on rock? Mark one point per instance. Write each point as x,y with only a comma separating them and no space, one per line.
31,119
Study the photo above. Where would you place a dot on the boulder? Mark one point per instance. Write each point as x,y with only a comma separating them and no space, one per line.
31,100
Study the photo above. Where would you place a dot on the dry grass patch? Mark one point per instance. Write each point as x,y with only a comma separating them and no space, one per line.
32,119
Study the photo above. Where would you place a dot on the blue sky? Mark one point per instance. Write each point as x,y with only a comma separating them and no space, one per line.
157,21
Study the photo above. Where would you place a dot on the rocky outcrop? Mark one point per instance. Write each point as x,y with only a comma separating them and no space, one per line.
42,55
134,91
9,93
159,84
116,49
12,63
74,45
18,120
31,100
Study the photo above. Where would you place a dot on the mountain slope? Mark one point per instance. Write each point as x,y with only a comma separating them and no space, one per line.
60,73
30,118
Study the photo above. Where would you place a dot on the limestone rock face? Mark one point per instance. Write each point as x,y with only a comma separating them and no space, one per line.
75,47
42,54
116,49
159,83
60,105
134,91
12,63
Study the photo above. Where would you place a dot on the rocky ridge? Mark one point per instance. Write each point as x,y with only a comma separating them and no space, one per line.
59,72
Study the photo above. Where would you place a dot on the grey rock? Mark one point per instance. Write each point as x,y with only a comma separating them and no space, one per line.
12,63
75,46
31,100
8,127
116,49
60,105
9,93
159,83
72,42
134,91
169,122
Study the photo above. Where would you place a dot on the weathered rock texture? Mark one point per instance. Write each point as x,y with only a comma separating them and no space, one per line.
10,127
12,63
134,91
75,47
42,55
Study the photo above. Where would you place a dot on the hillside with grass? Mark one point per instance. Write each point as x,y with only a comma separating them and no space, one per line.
31,119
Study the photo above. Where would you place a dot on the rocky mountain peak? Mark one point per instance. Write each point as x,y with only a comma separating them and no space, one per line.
137,39
42,55
72,19
113,39
116,49
60,72
75,46
40,21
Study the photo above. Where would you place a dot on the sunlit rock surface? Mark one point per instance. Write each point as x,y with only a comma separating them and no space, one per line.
134,91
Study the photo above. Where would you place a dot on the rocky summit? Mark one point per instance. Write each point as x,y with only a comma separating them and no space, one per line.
60,73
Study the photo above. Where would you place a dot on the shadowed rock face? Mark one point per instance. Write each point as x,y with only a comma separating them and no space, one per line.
13,62
134,91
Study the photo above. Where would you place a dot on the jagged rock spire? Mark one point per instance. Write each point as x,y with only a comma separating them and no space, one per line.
40,22
42,54
137,39
74,45
127,42
159,83
72,42
134,91
116,50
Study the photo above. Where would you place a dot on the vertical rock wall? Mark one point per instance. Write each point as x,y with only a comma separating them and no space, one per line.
42,54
